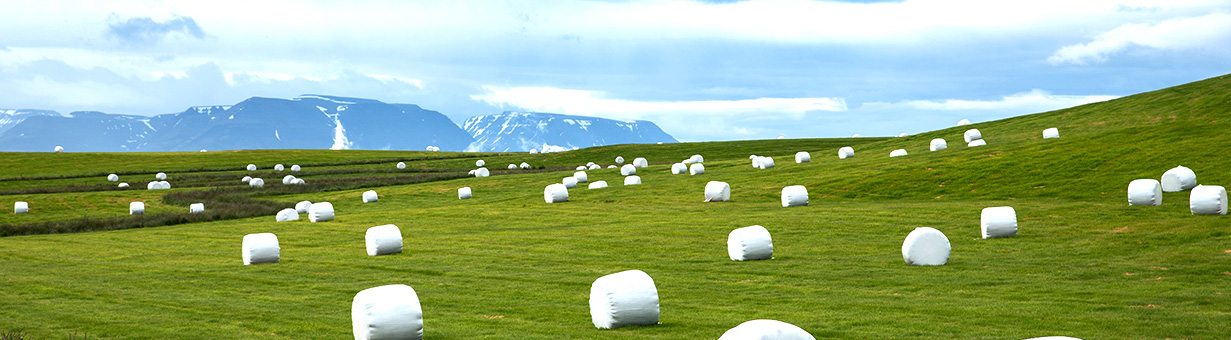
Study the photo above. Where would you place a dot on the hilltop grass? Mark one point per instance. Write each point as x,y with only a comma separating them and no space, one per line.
506,265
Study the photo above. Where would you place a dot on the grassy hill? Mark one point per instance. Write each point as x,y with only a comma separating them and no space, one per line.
506,265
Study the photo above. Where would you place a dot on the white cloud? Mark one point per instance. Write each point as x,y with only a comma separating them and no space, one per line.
581,102
1029,102
1212,30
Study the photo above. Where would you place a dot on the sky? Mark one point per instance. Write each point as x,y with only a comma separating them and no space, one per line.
701,70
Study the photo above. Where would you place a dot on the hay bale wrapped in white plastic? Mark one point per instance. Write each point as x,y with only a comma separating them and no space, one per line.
464,193
846,152
1208,200
856,135
964,121
765,163
113,178
598,185
196,208
632,180
482,172
679,168
247,179
803,157
619,159
623,299
251,167
287,214
480,163
370,196
897,153
279,167
569,182
581,168
794,196
628,170
123,185
298,181
1051,133
512,166
295,168
750,243
433,148
261,248
20,207
384,240
998,222
611,166
320,212
972,135
1145,192
975,143
556,193
926,246
162,176
524,165
153,185
1179,178
288,179
596,167
136,208
938,144
716,191
401,165
590,164
58,149
387,313
302,206
256,183
697,159
640,162
696,169
581,177
164,185
766,330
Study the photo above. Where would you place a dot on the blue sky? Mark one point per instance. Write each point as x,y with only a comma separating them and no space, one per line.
702,70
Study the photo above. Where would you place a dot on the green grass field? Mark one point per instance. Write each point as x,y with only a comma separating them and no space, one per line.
506,265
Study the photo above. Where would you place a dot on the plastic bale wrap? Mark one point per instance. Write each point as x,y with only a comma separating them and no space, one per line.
20,207
136,208
279,167
581,177
581,168
320,212
534,151
803,157
479,163
1145,192
696,169
288,179
298,181
401,165
697,159
678,168
463,193
998,222
247,179
765,163
598,185
384,240
555,193
964,121
750,243
525,165
716,191
1179,178
256,183
619,159
387,313
164,185
295,168
162,176
756,161
624,299
596,167
482,172
370,196
58,149
151,185
975,143
261,248
287,214
926,246
1051,133
972,135
766,330
302,206
569,182
123,185
897,153
846,152
938,144
512,166
113,178
1208,200
628,170
794,196
641,162
251,167
196,208
632,180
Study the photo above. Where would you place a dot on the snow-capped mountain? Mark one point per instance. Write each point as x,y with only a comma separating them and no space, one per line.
524,131
10,117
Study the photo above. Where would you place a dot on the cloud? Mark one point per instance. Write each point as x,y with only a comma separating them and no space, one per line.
1212,30
146,31
582,102
1034,101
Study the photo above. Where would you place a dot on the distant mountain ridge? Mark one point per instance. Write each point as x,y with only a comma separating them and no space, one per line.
525,131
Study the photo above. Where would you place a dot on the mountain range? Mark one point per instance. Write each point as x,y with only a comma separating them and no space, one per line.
313,122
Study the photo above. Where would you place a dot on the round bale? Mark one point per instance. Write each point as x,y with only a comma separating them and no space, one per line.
632,180
794,196
370,196
287,214
803,157
463,193
926,246
750,243
384,240
998,222
387,312
624,299
1145,192
766,330
261,248
628,170
320,212
1208,200
556,193
938,144
1179,178
716,191
696,169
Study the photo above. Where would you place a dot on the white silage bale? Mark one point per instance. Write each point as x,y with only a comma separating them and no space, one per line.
641,162
295,168
1179,178
766,330
401,165
123,185
113,178
251,167
697,159
556,193
624,299
750,243
370,196
590,164
471,172
716,191
525,165
164,185
256,183
479,163
287,214
320,212
464,193
279,167
1145,192
611,167
897,153
678,168
802,157
756,161
595,167
998,222
384,240
20,207
964,121
846,152
581,177
153,185
58,149
926,246
261,248
288,179
856,135
136,208
632,180
696,169
482,172
388,312
628,170
512,166
902,134
972,135
975,143
619,159
534,151
302,206
794,196
196,208
569,182
1208,200
298,181
765,163
1051,133
938,144
598,185
247,179
581,168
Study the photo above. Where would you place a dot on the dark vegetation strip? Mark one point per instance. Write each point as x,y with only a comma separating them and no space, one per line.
19,335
